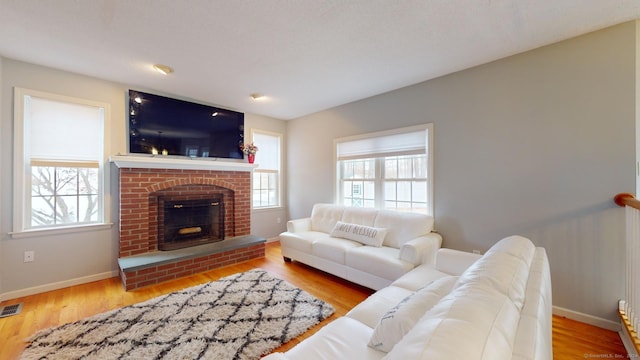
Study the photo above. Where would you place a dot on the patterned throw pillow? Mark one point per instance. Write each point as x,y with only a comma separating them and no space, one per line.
401,318
366,235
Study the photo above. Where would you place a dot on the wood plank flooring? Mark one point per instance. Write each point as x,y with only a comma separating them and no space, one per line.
571,339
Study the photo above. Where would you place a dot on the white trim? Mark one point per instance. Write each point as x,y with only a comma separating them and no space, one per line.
586,318
21,158
178,163
277,171
50,231
428,127
57,285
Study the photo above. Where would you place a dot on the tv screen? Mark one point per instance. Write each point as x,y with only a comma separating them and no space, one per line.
165,126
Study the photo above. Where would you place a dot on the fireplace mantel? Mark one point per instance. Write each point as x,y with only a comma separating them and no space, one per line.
168,162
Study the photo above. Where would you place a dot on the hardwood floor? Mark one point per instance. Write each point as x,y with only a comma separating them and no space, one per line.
571,339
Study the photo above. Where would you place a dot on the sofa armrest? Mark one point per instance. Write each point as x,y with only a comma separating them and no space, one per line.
454,262
299,225
421,250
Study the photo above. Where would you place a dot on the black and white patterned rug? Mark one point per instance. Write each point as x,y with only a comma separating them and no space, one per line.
242,316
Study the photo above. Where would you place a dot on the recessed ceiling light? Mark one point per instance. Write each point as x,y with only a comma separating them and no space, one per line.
163,69
257,96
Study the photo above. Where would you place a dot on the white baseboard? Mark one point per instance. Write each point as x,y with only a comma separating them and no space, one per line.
57,285
587,319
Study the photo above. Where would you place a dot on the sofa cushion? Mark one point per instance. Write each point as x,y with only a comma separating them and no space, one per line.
325,216
418,277
401,318
363,234
360,216
344,338
371,310
301,241
402,226
333,249
379,261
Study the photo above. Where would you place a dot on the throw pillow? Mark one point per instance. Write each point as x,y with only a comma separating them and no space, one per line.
366,235
400,319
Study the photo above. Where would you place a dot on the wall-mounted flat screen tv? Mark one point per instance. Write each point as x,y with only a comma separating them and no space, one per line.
165,126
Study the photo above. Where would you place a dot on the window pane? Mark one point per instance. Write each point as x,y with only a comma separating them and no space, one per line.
391,168
66,209
87,208
88,181
66,181
42,210
419,191
42,180
69,196
347,167
405,168
404,190
346,189
420,167
390,190
369,190
265,189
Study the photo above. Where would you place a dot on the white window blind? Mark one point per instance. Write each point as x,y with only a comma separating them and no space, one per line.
268,156
63,131
406,143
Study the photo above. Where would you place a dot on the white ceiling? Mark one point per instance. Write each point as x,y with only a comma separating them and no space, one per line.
305,55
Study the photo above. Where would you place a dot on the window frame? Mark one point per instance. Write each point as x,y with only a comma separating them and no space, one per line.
22,167
278,171
379,164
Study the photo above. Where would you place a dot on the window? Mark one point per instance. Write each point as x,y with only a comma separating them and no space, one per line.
387,170
59,158
266,177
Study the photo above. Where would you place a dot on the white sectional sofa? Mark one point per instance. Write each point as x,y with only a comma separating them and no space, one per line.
493,307
366,246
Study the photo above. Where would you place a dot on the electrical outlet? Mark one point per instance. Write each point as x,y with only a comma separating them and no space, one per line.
278,220
29,256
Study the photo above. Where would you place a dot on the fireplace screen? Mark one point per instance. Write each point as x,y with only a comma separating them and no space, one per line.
188,223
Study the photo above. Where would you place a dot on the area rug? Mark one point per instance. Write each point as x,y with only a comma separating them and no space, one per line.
242,316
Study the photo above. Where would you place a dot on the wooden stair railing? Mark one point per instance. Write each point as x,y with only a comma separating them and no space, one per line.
629,308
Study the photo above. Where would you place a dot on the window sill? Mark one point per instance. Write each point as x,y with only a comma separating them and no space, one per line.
267,209
59,230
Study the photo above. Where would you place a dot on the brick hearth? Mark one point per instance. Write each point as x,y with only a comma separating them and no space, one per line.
140,188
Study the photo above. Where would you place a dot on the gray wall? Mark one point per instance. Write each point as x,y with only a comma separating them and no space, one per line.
535,144
66,259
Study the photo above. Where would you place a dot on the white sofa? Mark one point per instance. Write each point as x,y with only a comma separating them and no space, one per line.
493,308
366,246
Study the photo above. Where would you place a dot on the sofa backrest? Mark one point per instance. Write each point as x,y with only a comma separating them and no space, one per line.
325,216
402,226
360,216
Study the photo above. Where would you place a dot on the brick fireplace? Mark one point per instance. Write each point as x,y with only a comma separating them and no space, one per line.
143,181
